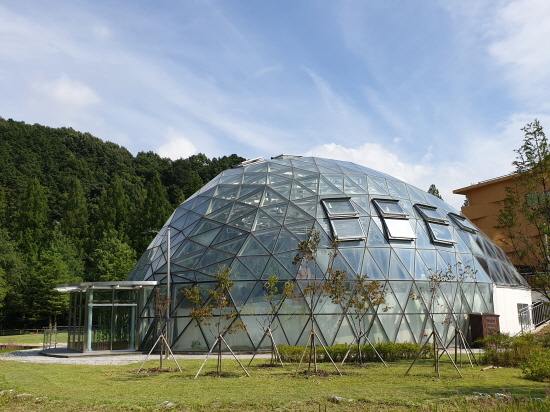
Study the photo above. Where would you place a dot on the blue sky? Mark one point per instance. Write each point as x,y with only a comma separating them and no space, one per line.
427,91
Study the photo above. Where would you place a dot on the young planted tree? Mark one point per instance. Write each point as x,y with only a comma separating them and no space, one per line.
524,218
215,314
312,291
356,297
432,298
162,303
265,314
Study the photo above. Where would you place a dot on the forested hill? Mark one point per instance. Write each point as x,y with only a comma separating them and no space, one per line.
72,208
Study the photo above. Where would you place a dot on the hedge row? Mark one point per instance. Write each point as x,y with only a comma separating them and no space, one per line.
389,351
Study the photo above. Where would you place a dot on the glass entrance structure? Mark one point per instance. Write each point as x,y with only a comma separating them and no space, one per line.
251,218
104,315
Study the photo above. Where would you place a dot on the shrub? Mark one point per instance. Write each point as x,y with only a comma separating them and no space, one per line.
389,351
537,365
504,350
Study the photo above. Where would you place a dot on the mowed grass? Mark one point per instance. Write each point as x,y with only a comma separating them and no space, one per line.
375,387
31,339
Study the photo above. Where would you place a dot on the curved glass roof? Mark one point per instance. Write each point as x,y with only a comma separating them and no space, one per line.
251,218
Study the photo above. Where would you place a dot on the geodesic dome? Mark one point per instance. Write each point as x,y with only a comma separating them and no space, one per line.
252,217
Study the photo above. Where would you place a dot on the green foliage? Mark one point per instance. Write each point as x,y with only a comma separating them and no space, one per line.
504,350
524,218
434,191
537,365
389,351
60,185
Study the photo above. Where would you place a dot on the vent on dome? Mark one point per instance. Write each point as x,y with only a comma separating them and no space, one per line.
286,156
248,162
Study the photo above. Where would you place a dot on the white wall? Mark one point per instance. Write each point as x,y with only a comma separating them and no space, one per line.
506,301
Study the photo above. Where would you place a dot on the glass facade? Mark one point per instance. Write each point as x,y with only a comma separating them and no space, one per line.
251,219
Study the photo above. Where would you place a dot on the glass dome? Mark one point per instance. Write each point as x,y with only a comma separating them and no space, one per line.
252,217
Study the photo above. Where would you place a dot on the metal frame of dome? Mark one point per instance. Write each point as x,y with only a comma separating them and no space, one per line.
252,217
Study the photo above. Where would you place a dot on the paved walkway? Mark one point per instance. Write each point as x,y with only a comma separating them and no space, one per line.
97,358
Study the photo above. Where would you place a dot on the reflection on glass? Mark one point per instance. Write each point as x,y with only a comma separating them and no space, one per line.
347,228
399,229
441,233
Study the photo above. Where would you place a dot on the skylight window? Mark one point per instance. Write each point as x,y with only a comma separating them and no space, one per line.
463,223
344,218
341,207
437,225
395,219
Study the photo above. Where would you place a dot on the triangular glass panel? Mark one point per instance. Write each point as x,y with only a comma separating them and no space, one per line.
189,261
252,248
255,329
268,238
233,172
407,258
359,180
397,189
421,271
214,270
370,268
231,180
272,179
330,169
375,188
277,212
311,183
414,303
239,210
307,205
222,214
201,205
354,257
299,191
246,189
254,178
430,259
204,226
346,333
299,163
212,257
351,188
240,271
271,198
328,326
294,214
404,334
227,233
191,218
362,204
287,172
286,241
261,167
206,238
422,240
241,291
375,237
286,260
263,221
401,291
416,195
186,248
231,246
283,188
179,212
377,332
256,264
244,222
216,204
327,188
252,198
274,167
382,258
180,221
390,324
324,162
300,230
230,194
299,173
274,268
397,270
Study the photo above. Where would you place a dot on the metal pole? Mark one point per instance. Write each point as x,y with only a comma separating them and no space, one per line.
168,293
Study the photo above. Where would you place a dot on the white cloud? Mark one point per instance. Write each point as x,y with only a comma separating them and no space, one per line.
376,157
67,92
521,31
177,146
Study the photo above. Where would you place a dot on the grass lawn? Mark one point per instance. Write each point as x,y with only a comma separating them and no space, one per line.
104,388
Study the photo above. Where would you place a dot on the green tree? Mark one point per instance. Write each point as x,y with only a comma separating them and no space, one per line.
113,259
154,212
524,218
114,210
75,220
434,191
33,221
